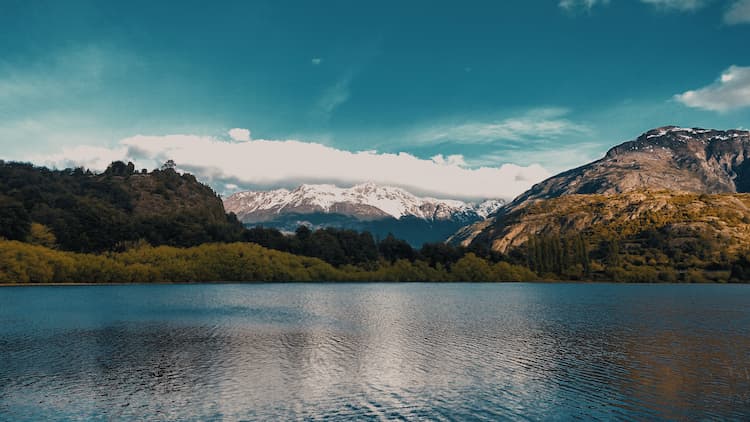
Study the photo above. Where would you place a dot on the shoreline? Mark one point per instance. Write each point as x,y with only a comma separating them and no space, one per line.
185,283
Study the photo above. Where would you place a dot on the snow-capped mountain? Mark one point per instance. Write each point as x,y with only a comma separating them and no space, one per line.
368,206
366,201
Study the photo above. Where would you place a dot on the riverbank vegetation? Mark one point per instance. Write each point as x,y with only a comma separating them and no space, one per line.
243,262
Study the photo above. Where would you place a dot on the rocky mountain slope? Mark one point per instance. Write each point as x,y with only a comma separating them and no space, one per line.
667,158
380,209
670,160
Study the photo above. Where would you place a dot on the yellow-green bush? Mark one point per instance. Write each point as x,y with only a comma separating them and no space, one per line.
27,263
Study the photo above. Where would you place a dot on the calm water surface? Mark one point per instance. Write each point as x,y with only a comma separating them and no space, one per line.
375,351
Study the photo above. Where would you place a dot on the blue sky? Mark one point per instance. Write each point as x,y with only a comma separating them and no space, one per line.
537,86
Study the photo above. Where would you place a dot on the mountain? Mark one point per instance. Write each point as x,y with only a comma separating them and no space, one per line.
667,158
379,209
670,160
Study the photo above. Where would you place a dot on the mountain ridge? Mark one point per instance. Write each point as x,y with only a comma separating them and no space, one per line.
669,158
364,201
666,158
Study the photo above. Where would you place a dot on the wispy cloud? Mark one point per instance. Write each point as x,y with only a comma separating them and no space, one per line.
730,91
40,98
547,123
554,158
65,72
738,13
333,97
576,5
273,163
676,5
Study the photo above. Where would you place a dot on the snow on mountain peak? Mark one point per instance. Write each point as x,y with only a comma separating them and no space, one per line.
364,200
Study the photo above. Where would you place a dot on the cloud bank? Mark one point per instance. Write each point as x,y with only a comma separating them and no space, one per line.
730,91
265,164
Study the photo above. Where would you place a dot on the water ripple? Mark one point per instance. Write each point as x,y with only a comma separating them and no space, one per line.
375,352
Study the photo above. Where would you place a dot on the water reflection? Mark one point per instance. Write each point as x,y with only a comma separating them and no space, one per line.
375,351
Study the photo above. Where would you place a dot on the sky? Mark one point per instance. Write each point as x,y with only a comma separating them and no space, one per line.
466,100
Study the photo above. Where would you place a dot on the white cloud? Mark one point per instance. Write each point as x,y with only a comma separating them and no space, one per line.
738,12
536,124
239,134
271,163
90,157
730,91
451,160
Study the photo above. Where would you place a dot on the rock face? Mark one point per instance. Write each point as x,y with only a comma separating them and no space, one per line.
379,209
667,159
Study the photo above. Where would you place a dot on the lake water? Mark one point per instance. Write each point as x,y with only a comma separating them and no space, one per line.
375,351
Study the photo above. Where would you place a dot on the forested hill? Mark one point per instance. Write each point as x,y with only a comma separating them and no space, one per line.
78,210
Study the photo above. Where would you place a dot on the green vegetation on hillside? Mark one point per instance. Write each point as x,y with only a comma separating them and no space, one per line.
89,212
633,237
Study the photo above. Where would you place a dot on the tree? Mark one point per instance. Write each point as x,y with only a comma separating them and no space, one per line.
471,268
15,223
393,249
168,165
39,234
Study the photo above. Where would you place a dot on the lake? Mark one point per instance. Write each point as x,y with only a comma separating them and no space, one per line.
375,351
